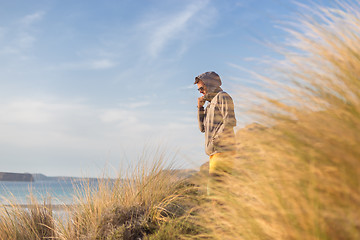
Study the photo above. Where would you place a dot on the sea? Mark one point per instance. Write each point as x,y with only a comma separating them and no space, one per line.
56,192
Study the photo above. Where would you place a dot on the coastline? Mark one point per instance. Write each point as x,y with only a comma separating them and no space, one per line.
53,207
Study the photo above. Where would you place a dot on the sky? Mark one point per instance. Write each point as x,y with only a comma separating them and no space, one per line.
88,85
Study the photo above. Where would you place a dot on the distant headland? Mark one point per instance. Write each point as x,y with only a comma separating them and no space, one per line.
33,177
16,177
29,177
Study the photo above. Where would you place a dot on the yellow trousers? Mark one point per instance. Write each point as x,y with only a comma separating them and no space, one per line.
221,162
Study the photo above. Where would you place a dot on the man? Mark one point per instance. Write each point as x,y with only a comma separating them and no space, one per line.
217,121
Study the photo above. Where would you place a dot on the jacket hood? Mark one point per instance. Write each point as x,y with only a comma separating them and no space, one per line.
211,80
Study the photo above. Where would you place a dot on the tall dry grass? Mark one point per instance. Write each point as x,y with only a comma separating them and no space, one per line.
298,173
32,223
152,201
142,205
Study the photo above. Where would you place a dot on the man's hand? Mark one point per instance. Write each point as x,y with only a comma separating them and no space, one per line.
201,102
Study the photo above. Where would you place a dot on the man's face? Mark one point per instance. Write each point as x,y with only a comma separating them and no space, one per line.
202,87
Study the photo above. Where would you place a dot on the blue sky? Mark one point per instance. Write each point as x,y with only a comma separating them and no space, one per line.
90,84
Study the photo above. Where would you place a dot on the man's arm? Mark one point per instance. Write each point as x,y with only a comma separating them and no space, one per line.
201,113
225,105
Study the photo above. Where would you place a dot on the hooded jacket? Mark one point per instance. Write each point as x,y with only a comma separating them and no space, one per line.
217,120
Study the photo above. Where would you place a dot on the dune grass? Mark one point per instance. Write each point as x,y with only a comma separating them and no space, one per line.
35,222
134,207
151,202
298,173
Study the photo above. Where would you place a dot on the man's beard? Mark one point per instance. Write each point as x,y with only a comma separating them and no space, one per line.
209,96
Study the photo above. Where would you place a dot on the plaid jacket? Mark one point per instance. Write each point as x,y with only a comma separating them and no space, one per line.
217,121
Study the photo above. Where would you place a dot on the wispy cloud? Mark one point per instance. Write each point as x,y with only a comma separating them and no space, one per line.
32,18
26,37
25,40
2,32
19,35
49,123
170,27
24,111
102,64
187,87
118,115
237,66
99,64
138,104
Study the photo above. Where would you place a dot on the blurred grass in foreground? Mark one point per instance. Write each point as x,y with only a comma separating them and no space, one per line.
298,172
